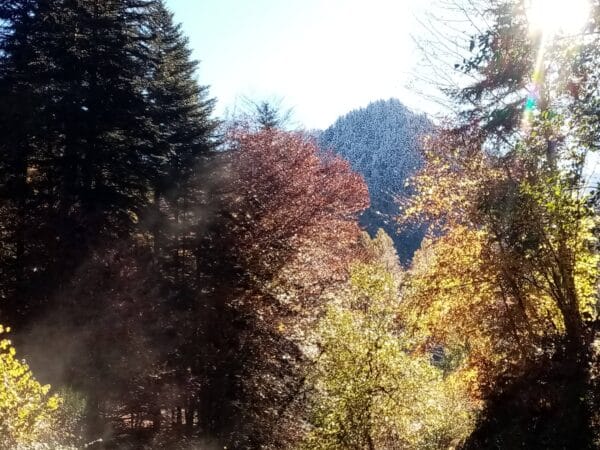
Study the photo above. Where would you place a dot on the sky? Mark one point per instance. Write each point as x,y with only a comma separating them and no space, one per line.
322,58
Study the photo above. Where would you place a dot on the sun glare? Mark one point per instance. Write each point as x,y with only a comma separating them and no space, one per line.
557,16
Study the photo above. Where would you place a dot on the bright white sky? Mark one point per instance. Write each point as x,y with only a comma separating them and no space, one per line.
323,58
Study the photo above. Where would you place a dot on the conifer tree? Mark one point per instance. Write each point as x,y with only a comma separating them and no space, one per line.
101,112
181,114
103,125
180,110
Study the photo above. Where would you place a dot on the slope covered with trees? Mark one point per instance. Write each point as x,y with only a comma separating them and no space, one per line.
382,142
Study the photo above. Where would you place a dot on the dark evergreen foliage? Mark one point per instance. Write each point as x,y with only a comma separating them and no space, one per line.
105,131
78,167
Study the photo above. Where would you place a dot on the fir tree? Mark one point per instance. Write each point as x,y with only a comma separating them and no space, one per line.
181,113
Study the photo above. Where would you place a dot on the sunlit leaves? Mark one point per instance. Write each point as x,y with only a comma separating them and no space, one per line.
283,236
507,282
446,196
286,196
27,410
371,389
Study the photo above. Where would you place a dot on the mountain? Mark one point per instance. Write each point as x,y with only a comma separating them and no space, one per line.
382,142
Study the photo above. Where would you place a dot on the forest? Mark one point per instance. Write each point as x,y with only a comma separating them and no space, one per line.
170,279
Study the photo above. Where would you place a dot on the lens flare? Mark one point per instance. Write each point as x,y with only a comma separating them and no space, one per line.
550,17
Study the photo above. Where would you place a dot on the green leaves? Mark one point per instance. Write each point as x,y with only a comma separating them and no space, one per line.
371,390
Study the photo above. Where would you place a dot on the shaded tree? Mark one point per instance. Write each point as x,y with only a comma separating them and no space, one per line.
84,157
105,129
284,234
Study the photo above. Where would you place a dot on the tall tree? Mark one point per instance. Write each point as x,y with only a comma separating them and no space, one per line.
84,157
181,113
105,134
19,68
509,276
180,110
284,233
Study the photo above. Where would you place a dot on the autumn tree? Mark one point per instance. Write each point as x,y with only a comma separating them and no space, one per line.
508,277
286,228
371,390
28,412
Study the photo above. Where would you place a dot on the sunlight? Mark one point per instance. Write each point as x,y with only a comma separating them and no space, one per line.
553,16
550,17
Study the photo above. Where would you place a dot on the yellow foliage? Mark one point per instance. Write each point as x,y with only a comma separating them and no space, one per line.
446,196
454,297
26,408
371,389
511,269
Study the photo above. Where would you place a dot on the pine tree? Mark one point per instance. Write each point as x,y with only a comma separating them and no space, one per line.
78,153
20,125
181,110
104,131
181,113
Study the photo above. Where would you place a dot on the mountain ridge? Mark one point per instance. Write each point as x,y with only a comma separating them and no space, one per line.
382,142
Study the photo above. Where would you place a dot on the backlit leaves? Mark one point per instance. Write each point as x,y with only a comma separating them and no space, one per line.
27,410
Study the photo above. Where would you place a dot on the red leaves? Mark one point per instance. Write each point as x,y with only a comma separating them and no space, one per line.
288,226
285,196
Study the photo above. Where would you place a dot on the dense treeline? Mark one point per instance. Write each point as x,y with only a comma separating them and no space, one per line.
143,268
185,283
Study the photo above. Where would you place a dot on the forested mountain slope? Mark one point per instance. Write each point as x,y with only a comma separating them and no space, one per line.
381,141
